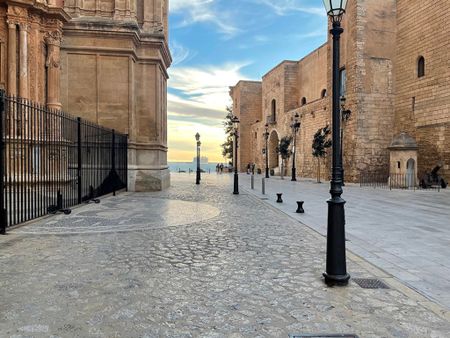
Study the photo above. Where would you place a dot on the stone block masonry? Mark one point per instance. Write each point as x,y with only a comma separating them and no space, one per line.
380,48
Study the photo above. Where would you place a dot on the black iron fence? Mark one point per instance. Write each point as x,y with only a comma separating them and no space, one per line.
390,181
51,161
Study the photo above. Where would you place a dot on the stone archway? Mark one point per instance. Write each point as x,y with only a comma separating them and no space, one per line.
410,173
273,144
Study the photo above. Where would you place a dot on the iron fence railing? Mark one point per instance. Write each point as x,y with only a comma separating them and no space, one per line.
51,161
391,181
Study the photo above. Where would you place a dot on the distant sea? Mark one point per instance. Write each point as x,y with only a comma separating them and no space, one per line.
185,166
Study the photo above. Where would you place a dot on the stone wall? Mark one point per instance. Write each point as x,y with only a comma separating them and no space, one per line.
307,77
368,50
422,105
247,100
368,45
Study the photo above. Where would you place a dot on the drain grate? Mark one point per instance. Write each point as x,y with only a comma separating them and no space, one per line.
264,198
337,335
367,283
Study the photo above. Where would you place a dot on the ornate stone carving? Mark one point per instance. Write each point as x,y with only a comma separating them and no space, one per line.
53,38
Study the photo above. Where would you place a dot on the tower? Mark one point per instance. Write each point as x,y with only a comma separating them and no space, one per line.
114,60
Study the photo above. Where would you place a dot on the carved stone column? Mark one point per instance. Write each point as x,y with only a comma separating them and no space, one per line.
12,61
23,64
53,65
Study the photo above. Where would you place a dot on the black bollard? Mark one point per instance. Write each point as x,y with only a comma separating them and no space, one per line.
279,200
300,209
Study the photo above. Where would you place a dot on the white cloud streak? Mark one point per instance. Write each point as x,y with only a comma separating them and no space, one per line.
206,87
284,7
196,11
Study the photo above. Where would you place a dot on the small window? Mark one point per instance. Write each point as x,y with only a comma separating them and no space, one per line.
256,134
274,110
303,102
398,164
413,104
421,67
323,94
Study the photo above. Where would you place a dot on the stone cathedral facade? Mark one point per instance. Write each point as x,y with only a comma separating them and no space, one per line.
102,60
395,76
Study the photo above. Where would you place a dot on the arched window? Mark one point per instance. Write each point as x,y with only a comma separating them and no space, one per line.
274,110
323,94
421,67
303,102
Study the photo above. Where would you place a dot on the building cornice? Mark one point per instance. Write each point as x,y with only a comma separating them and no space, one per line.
40,8
126,29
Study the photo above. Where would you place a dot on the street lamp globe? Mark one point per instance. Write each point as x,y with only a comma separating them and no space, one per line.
335,8
197,136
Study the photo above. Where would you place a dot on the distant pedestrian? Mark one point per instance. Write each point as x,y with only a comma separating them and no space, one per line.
248,169
217,168
221,168
253,168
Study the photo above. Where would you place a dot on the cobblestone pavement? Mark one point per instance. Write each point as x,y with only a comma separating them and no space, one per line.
404,232
192,261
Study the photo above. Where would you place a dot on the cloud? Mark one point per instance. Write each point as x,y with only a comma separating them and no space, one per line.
203,11
284,7
197,101
180,53
208,86
182,144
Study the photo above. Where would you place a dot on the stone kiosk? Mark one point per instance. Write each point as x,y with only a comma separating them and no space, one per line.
403,160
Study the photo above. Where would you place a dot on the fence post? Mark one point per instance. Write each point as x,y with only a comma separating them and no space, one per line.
3,218
263,187
126,162
79,159
113,159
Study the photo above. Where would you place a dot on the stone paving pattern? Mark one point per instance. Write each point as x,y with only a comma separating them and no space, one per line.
242,269
404,232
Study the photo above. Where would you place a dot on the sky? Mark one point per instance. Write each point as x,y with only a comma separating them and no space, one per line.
216,43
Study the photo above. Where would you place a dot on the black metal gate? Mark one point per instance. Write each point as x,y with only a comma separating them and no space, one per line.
51,160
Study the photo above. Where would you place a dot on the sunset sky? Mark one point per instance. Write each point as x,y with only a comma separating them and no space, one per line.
214,44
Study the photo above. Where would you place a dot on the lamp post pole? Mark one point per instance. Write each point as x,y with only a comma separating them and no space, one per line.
198,177
336,266
345,116
266,136
236,175
295,127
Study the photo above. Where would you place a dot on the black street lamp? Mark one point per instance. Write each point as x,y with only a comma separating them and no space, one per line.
295,127
235,121
266,136
198,178
345,116
336,267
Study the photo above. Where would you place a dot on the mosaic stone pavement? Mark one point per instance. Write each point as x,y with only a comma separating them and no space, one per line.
192,261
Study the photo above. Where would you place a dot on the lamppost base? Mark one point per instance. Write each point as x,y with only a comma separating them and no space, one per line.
336,280
236,184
